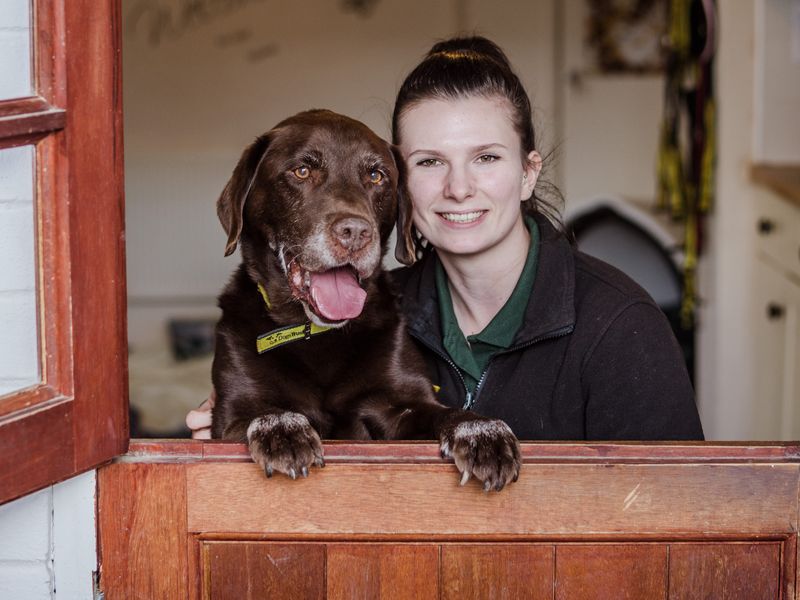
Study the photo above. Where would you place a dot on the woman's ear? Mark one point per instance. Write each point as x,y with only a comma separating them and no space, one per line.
230,205
530,173
404,250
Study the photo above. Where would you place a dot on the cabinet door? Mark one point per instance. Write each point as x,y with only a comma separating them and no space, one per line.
777,360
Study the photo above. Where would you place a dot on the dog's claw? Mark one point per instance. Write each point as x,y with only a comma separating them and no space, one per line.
464,477
487,485
292,473
304,471
269,471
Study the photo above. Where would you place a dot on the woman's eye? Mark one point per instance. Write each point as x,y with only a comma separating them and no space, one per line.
487,158
375,176
301,172
428,162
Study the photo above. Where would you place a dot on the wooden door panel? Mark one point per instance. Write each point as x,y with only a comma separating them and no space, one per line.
426,498
724,571
383,571
251,571
604,571
199,520
497,571
142,519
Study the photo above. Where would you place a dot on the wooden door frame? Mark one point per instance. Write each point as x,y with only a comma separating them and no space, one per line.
77,417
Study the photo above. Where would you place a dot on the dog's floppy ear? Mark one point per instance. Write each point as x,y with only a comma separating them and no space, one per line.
230,206
404,250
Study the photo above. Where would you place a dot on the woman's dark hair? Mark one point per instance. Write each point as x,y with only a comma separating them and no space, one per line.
475,66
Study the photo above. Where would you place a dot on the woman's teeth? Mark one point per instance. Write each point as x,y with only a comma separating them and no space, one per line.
463,217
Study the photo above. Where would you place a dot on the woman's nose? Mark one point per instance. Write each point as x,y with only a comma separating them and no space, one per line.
459,185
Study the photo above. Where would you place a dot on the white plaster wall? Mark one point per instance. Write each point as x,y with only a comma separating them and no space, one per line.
47,543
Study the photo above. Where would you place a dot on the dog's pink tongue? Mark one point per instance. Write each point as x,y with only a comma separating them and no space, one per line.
337,295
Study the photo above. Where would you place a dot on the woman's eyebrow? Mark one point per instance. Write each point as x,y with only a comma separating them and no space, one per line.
424,151
483,147
474,149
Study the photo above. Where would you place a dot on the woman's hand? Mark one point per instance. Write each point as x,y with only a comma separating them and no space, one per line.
199,419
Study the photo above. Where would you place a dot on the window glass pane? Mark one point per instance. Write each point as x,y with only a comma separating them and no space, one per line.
15,49
19,349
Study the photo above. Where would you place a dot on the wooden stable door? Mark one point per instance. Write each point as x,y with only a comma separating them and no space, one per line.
199,520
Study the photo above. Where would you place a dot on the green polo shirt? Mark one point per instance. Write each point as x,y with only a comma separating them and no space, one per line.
472,354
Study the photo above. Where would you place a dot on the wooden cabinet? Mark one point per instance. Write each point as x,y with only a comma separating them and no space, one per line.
776,318
199,520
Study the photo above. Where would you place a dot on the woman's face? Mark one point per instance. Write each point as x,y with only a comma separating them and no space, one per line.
466,176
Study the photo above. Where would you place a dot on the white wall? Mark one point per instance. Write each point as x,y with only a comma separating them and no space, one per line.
47,543
726,366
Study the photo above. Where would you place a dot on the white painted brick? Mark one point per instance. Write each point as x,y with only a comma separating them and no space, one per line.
75,545
17,250
19,350
15,64
15,14
25,528
25,581
16,173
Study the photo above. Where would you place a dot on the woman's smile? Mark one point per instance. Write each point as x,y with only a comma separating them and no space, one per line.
462,218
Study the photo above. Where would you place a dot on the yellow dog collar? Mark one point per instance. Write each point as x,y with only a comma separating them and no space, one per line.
285,335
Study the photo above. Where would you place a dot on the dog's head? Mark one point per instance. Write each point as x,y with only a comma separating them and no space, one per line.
318,195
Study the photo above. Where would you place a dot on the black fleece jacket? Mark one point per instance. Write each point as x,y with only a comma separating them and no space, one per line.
595,358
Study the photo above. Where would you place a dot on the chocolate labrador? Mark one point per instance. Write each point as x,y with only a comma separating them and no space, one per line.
311,343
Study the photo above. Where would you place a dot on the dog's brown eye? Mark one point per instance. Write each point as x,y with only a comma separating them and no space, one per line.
375,176
302,172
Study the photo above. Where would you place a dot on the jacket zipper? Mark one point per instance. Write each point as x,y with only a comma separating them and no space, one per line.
547,336
471,398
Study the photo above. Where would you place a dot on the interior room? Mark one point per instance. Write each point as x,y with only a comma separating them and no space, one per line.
121,122
202,80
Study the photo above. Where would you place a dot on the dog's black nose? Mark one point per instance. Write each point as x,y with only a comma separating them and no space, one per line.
352,233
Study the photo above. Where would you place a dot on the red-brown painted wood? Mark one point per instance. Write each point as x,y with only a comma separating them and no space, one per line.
261,570
632,572
619,526
497,571
27,124
724,571
532,452
142,537
383,571
75,121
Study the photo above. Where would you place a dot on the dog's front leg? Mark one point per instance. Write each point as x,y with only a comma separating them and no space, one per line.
282,441
481,447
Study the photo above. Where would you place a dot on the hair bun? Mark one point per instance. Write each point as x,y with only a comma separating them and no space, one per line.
470,47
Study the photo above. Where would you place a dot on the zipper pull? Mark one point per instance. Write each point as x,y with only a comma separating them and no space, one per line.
468,402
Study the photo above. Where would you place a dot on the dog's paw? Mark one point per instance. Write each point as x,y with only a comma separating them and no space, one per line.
486,449
284,442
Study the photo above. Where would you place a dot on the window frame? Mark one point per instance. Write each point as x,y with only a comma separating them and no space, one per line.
77,417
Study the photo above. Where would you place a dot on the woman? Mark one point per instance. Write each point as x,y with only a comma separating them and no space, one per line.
514,322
